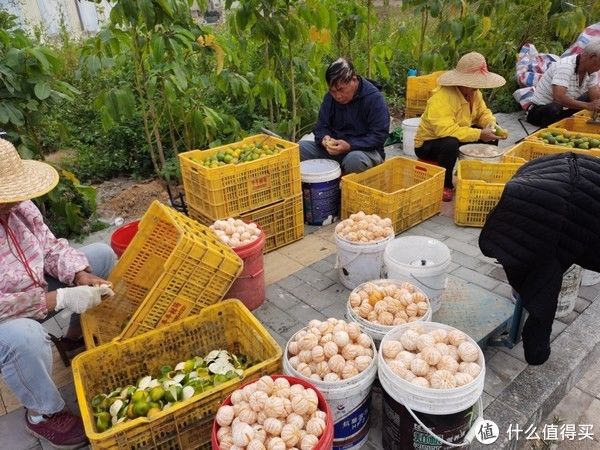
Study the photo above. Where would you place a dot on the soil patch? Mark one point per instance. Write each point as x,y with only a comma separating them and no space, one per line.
127,198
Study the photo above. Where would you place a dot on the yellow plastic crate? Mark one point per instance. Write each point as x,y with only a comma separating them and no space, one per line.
528,150
418,91
536,137
583,113
578,125
479,187
173,268
228,325
405,190
230,190
282,222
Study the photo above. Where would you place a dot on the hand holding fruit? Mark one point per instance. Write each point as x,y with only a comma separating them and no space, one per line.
488,135
501,133
335,146
594,105
81,298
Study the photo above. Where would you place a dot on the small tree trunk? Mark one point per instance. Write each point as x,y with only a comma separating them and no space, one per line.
171,129
424,18
139,79
292,86
156,132
369,70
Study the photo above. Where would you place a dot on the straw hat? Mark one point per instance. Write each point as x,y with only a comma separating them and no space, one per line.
23,179
471,71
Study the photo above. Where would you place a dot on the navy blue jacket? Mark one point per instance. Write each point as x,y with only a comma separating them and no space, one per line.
364,122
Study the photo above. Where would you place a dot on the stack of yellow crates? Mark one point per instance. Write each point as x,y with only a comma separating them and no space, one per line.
418,91
167,308
174,267
266,191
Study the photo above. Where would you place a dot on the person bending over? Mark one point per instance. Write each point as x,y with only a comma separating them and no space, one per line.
569,85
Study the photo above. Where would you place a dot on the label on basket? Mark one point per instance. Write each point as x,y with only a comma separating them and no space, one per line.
353,427
179,309
260,183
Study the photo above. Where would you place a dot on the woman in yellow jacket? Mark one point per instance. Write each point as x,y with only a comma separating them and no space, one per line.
456,114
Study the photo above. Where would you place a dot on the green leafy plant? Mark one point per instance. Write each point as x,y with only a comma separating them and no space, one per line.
497,29
166,48
70,207
28,87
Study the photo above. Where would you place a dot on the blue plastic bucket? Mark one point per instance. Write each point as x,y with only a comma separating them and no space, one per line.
320,190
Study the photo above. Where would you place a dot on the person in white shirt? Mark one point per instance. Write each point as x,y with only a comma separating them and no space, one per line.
568,86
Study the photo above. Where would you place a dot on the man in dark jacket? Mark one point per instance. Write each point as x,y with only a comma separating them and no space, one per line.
353,121
547,219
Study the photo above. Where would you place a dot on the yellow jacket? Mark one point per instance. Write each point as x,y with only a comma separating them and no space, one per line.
448,114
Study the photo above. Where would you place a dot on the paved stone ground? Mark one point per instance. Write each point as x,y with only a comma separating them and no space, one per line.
302,285
513,392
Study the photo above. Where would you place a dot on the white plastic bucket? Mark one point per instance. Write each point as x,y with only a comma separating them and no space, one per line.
376,331
359,262
401,431
569,291
409,131
468,152
320,190
590,278
420,260
350,402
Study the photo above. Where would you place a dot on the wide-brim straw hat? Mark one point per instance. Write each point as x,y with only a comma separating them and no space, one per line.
23,179
471,71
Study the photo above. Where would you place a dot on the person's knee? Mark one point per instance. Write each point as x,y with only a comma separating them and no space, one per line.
451,144
542,116
101,257
554,110
356,162
307,150
24,336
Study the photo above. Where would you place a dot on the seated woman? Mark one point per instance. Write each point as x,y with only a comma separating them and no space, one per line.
456,114
39,275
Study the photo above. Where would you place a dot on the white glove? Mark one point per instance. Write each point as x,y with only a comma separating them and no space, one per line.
81,298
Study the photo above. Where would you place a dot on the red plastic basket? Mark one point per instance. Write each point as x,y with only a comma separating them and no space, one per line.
326,440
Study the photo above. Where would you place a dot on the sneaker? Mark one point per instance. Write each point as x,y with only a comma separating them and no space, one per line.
63,430
448,194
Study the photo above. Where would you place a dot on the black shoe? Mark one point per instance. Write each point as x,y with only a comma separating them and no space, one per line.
71,345
536,340
67,347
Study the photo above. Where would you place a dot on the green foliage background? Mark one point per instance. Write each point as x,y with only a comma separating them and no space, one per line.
154,82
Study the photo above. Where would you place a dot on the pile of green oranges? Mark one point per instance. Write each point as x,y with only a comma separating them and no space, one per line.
150,396
571,140
241,154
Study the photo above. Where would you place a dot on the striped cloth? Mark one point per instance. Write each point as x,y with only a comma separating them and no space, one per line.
19,296
562,73
531,64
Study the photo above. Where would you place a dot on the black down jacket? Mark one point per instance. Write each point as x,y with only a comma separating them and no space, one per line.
547,219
